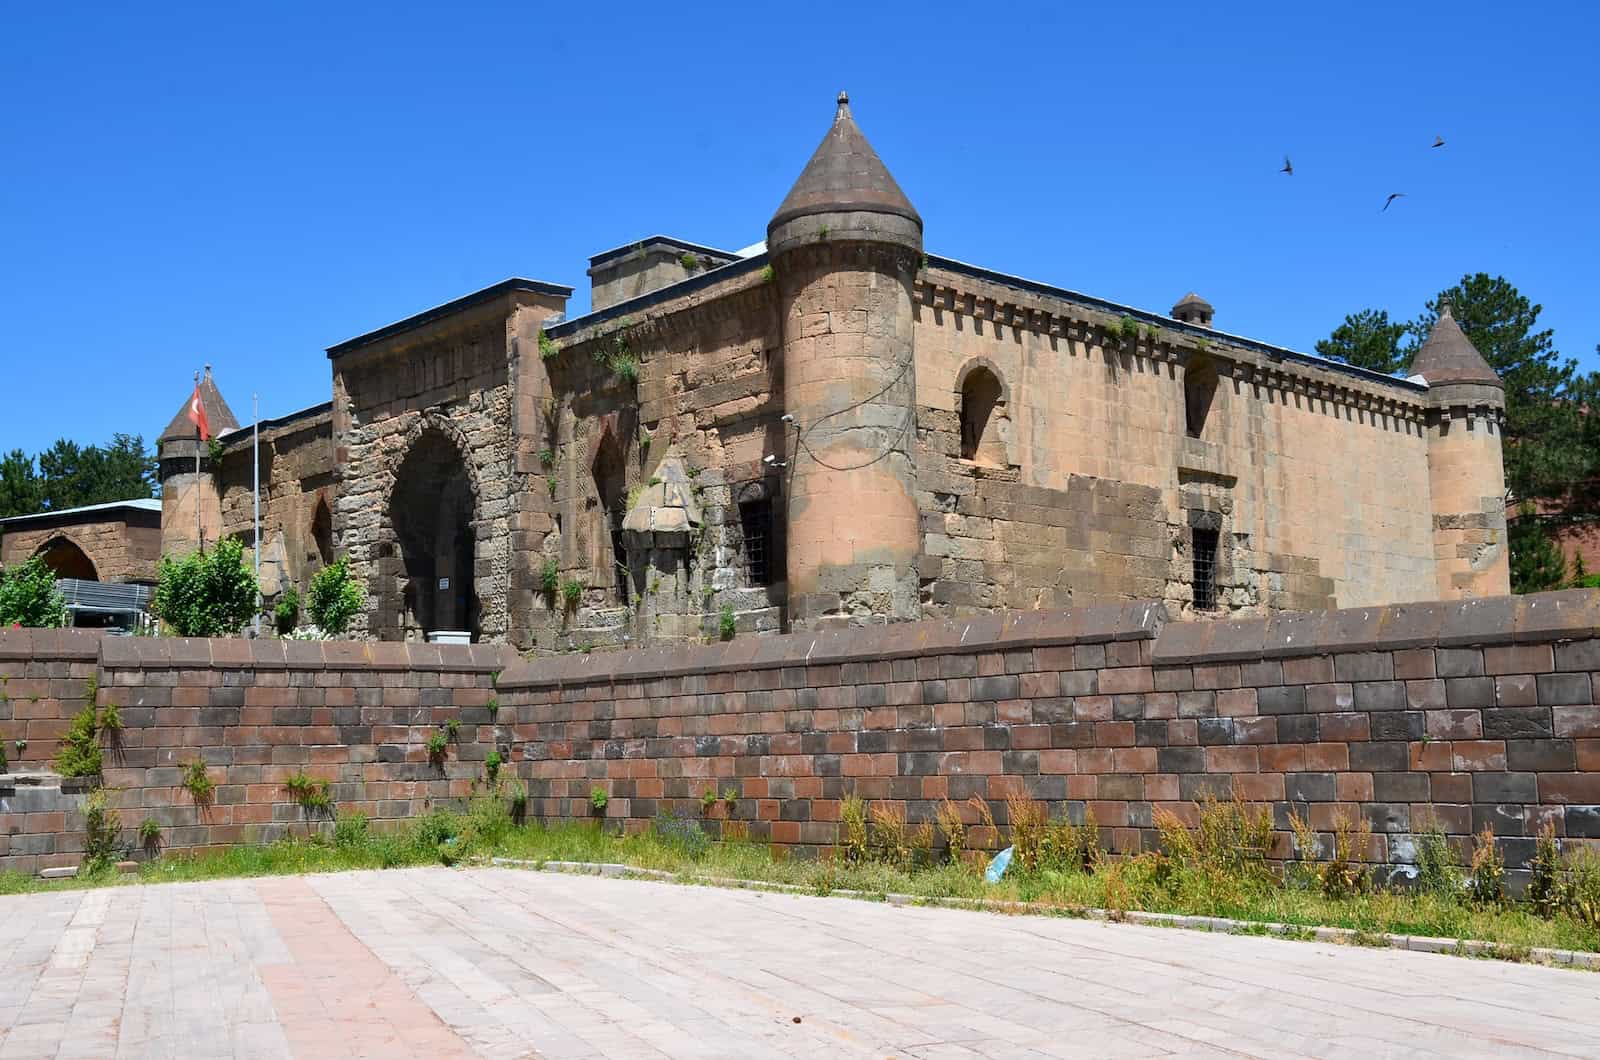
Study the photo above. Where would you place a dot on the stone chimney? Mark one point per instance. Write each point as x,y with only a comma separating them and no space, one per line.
1192,309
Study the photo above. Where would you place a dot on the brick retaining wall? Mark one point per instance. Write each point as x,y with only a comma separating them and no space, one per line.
1480,712
355,714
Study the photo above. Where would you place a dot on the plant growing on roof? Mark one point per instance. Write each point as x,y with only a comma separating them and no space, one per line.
689,261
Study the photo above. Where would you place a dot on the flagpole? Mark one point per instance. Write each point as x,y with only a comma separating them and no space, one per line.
255,408
199,534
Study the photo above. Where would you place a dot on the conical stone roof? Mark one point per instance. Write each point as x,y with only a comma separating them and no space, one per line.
844,175
1448,356
218,415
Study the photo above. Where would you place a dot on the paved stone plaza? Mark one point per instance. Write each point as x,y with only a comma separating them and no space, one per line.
504,963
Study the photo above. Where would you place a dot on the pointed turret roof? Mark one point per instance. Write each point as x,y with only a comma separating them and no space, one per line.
218,415
1449,356
844,175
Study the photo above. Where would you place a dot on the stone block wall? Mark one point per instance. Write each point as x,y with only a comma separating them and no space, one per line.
1478,713
357,715
123,544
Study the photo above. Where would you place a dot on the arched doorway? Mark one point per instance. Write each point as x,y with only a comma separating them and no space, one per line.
611,486
67,560
433,510
321,553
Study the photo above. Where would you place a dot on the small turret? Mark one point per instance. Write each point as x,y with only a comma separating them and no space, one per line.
1466,476
186,484
845,246
1192,309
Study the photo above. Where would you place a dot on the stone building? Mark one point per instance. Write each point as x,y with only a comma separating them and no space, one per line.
837,426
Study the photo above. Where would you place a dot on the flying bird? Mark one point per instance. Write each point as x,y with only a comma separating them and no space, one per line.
1288,166
1438,141
1392,197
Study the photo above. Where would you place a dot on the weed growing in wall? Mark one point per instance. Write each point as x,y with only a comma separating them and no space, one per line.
197,782
491,766
727,624
79,754
438,746
547,347
150,836
102,834
571,593
312,794
599,799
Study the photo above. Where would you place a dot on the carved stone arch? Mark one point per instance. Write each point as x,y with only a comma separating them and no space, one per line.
982,408
432,523
67,558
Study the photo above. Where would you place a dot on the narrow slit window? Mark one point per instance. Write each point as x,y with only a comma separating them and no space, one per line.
755,519
1205,570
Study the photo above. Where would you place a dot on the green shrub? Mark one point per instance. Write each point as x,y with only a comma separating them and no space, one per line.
491,766
311,793
598,799
727,624
28,597
334,597
853,829
350,830
438,746
197,782
206,594
547,346
689,261
286,613
767,274
1438,868
708,800
150,836
550,575
102,834
1581,887
79,754
1128,328
571,593
1486,876
1544,893
625,366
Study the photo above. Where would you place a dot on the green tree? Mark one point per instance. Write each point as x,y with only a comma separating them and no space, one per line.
207,594
21,489
334,597
1543,446
28,596
1537,564
72,475
1369,339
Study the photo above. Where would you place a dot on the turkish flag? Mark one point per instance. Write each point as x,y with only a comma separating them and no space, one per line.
197,415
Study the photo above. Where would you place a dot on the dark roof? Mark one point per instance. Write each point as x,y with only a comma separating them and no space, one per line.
282,421
844,174
219,417
428,316
1449,356
1192,299
152,504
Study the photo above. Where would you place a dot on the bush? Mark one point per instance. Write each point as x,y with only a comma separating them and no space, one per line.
79,755
28,597
1486,877
571,593
102,834
350,830
1581,887
550,576
1438,868
334,597
598,799
286,615
853,828
1544,892
197,782
207,594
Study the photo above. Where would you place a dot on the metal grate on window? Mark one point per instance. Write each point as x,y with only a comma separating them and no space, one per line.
755,519
1205,570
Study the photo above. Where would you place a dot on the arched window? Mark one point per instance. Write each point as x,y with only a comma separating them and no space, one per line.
67,560
322,533
611,484
982,405
1199,391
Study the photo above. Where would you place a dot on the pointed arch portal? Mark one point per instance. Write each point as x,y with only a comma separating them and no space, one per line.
433,510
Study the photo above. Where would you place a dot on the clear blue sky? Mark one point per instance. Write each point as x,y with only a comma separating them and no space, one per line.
186,183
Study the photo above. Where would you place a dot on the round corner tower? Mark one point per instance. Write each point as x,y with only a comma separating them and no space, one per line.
1466,476
188,479
845,246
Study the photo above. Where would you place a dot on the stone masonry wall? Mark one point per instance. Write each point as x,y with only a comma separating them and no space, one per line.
255,712
1479,713
124,547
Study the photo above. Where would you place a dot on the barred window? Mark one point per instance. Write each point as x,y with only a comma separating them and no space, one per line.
1205,570
755,519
